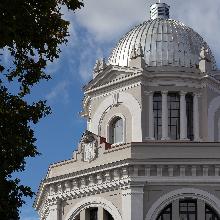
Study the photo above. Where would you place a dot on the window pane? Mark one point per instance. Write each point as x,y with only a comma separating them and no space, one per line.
211,214
192,217
188,209
116,130
174,115
93,214
157,108
189,114
166,213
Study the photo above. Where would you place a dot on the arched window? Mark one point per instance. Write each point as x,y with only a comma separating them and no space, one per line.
166,213
188,211
92,214
210,213
116,131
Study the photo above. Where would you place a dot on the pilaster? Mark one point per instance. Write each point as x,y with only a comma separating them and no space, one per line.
85,214
183,118
151,115
196,117
102,214
132,203
201,209
54,210
175,210
164,116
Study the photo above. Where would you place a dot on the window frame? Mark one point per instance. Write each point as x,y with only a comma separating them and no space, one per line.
188,212
165,211
110,129
157,115
189,115
173,117
210,210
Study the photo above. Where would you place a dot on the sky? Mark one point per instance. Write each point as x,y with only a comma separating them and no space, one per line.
94,31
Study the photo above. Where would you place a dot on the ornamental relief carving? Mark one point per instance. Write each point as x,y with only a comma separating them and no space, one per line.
89,146
89,151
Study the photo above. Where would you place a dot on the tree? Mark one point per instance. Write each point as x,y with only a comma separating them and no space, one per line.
32,32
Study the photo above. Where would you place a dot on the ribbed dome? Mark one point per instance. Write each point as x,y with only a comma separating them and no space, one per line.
165,42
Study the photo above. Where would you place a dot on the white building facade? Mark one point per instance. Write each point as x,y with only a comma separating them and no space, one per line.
151,150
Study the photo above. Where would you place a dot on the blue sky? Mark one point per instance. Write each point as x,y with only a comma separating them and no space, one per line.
94,31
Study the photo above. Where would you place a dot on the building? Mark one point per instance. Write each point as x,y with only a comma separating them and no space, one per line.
151,150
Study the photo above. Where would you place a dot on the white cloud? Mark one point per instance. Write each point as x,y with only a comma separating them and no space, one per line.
101,23
87,57
109,20
204,17
60,91
106,20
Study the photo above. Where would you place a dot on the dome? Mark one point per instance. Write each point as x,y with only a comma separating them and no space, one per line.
165,42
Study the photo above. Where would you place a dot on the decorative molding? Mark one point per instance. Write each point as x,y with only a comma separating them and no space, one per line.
131,103
122,88
94,202
125,176
115,98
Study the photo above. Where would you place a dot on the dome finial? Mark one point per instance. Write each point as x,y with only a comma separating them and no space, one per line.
160,10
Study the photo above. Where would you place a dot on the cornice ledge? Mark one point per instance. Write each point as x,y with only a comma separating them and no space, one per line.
113,82
90,190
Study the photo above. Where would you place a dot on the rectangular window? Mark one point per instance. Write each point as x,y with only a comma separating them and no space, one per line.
94,214
157,108
188,209
189,114
174,115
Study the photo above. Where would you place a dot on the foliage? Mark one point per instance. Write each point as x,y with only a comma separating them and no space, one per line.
31,31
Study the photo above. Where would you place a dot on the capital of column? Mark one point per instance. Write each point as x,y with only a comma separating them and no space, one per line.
54,202
149,93
133,188
164,92
182,93
197,94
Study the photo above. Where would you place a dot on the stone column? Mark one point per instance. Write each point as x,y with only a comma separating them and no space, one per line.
54,210
196,117
85,214
151,116
132,203
201,209
102,214
164,116
183,117
175,210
